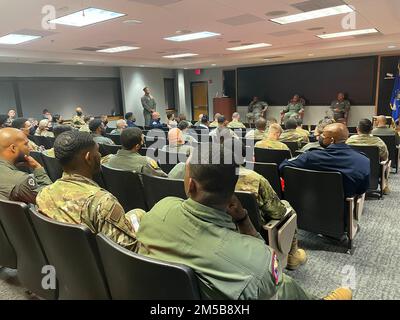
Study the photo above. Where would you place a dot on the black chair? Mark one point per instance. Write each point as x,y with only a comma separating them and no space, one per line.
157,188
393,149
167,160
38,157
269,171
271,156
125,186
106,149
31,257
249,202
318,199
135,277
72,250
46,142
352,129
116,138
8,257
108,129
292,145
155,142
378,169
53,167
149,152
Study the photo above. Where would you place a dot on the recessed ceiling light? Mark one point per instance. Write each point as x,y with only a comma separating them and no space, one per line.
250,46
315,14
117,49
193,36
180,55
392,47
87,17
347,33
14,38
132,21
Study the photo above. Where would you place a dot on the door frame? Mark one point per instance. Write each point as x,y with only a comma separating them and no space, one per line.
191,98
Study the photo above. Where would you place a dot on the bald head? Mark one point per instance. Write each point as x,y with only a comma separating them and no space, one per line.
381,121
336,132
13,145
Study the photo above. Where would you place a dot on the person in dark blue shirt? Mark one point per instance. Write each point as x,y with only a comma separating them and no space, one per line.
336,156
130,120
156,121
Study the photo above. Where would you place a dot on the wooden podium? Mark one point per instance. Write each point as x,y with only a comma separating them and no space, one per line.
225,106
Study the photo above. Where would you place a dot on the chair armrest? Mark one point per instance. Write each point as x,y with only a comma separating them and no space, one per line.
352,221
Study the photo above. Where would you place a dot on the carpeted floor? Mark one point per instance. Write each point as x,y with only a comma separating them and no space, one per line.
373,269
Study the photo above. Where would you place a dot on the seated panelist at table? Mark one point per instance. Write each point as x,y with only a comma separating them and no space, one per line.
340,108
295,109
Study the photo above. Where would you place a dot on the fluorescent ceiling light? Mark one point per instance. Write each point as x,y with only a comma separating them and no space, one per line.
315,14
347,33
181,55
118,49
86,17
192,36
391,47
250,46
14,38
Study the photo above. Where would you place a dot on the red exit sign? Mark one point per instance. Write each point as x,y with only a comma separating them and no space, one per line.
197,72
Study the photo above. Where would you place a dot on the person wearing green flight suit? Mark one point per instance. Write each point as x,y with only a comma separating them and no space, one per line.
340,108
149,106
211,233
294,109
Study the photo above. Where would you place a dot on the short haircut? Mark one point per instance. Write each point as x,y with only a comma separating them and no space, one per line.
322,124
19,123
275,128
291,124
144,89
56,117
365,126
221,119
204,119
169,115
299,122
182,116
70,144
95,124
235,115
43,123
261,124
86,119
45,111
131,137
214,168
183,125
3,119
57,130
128,115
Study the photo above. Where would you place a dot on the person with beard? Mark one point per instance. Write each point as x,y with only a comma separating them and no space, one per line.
28,129
16,185
77,199
78,119
337,156
98,131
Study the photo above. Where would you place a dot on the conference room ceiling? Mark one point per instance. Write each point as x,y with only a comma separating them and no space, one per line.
238,22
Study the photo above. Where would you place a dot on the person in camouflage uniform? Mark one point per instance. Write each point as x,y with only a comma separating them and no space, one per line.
16,185
25,126
256,110
304,133
340,109
78,120
317,132
214,124
294,109
85,127
57,131
77,199
291,135
260,132
235,123
129,158
382,129
272,139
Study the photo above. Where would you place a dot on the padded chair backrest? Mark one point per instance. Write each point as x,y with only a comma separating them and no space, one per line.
318,199
109,149
270,172
46,142
157,188
108,129
390,142
372,152
31,258
8,257
168,160
53,167
293,146
149,152
271,156
136,277
249,202
116,138
125,186
72,250
38,157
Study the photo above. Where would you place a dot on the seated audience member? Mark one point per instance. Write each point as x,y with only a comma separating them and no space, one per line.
3,121
104,119
156,121
317,132
229,257
290,134
43,129
204,122
294,110
301,131
382,129
57,131
197,124
177,143
181,117
184,127
271,141
85,127
17,185
235,123
171,122
11,116
77,199
129,158
47,115
339,157
130,120
121,126
365,138
26,127
222,131
259,132
98,131
78,118
56,120
214,124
